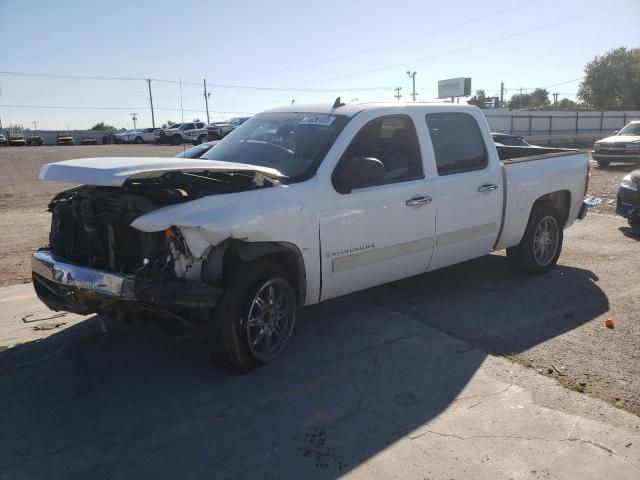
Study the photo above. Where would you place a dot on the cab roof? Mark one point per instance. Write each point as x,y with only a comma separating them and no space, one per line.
352,109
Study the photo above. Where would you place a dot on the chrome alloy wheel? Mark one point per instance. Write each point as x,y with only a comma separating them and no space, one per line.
270,320
545,241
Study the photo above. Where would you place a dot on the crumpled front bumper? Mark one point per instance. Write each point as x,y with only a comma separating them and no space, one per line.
63,285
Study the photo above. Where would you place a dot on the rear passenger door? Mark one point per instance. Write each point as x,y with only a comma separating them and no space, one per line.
468,189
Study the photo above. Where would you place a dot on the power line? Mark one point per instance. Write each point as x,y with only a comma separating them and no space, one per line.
72,107
198,84
399,42
468,47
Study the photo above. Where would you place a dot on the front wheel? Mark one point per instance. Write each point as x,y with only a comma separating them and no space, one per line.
139,140
634,221
177,139
541,243
255,318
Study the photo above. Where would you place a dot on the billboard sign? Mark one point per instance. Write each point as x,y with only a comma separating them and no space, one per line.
454,87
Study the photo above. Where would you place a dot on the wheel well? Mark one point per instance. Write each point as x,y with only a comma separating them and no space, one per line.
560,201
230,253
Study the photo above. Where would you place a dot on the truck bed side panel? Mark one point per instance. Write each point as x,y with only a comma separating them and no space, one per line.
528,179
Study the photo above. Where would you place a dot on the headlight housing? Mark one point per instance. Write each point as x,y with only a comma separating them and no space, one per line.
627,182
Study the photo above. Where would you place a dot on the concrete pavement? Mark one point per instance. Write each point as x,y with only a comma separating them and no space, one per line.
363,392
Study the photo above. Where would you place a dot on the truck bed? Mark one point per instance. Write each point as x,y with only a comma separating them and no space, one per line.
509,154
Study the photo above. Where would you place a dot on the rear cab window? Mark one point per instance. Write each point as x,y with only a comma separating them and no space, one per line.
457,143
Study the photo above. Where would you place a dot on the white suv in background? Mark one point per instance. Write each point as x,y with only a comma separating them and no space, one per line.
184,132
144,135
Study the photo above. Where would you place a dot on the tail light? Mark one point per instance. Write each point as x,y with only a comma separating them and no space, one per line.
586,183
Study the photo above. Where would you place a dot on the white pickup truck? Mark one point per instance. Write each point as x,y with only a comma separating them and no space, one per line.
296,206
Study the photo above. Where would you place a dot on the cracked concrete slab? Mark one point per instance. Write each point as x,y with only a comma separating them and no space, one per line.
362,392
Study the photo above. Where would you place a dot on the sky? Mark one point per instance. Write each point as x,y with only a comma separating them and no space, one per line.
257,55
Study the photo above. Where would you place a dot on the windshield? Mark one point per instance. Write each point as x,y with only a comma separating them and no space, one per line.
631,129
292,143
195,152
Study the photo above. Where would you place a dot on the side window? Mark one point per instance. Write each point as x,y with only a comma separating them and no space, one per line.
457,143
200,125
393,141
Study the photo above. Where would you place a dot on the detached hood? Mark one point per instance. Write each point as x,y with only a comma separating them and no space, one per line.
115,171
620,139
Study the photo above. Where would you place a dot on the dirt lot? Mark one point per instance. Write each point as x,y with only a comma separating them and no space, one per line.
24,199
556,324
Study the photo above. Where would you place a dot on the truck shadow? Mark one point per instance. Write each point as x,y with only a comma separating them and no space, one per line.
362,372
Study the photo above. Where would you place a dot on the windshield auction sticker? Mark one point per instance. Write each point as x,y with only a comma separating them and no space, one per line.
317,120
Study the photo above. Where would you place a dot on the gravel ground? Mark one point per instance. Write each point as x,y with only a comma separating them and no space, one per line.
593,283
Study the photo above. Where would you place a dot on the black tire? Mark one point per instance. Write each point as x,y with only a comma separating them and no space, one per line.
139,140
603,163
523,257
201,139
634,221
229,331
176,139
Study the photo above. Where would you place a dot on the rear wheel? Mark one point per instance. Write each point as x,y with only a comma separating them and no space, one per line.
177,139
541,243
139,140
255,317
634,221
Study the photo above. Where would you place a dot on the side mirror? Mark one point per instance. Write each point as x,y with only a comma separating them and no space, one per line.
358,172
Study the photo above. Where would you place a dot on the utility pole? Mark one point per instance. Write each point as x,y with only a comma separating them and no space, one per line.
397,95
501,94
35,125
520,98
153,118
134,117
555,101
413,77
206,98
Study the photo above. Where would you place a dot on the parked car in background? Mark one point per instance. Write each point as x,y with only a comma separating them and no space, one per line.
300,205
181,133
199,136
509,140
198,150
216,131
144,135
628,205
3,141
64,138
624,146
35,141
122,136
89,141
17,140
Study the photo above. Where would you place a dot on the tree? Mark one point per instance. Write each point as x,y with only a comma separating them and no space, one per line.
566,104
536,99
479,99
612,80
103,126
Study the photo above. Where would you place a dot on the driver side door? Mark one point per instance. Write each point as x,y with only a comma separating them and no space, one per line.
376,233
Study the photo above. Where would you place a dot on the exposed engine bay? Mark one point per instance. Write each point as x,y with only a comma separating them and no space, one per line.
90,225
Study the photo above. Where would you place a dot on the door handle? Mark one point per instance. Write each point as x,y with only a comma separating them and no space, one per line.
487,187
418,201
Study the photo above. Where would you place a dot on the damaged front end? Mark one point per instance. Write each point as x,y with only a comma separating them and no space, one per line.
96,262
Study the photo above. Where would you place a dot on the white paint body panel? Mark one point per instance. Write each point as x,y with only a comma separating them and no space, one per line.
114,171
376,238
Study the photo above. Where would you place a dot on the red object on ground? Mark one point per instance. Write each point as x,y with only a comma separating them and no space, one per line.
609,323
